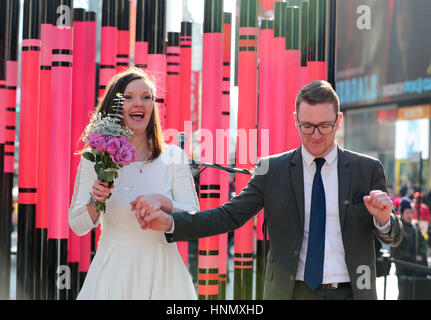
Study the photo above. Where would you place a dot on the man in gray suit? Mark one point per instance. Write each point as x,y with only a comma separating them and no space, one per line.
322,205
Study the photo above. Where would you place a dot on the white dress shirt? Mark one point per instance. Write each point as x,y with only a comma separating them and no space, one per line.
334,266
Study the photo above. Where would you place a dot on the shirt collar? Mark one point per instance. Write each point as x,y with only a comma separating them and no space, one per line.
330,158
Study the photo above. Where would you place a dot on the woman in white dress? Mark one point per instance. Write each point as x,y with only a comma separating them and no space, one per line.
132,263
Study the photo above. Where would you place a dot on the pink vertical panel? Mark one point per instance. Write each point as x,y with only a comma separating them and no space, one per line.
185,86
210,179
317,70
225,125
292,88
89,102
108,57
27,176
90,67
11,83
266,102
3,101
279,112
157,68
44,126
123,50
304,76
77,124
247,120
173,114
61,100
141,55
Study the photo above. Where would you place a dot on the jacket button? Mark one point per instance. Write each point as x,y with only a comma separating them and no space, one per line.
292,277
296,252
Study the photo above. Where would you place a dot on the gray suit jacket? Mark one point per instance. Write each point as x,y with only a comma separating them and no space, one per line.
281,193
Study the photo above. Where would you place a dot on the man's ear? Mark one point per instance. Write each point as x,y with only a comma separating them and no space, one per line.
295,119
340,117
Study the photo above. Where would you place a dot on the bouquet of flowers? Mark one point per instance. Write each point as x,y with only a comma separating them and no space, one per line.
110,146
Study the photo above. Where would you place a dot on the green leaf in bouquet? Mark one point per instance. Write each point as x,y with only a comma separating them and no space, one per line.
109,176
89,156
113,130
97,167
98,157
114,165
101,176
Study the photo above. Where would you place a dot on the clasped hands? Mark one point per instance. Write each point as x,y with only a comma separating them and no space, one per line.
148,212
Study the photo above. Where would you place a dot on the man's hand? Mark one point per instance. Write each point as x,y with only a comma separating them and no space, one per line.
143,205
379,204
157,220
147,203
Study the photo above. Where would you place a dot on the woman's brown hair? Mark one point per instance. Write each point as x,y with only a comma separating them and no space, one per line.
118,84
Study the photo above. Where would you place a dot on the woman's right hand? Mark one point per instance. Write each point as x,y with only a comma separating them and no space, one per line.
101,190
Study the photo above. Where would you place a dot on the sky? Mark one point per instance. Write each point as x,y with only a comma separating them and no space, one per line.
196,7
81,4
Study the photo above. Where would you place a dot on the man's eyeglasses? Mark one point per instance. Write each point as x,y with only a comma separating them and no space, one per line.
323,128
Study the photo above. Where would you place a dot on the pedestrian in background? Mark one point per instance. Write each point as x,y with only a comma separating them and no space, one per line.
412,248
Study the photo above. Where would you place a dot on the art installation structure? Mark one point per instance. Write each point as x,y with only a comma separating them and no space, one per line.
277,55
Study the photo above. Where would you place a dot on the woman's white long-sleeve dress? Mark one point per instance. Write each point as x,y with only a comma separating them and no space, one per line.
131,263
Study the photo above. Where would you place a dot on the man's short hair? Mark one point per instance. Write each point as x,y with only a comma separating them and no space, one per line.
316,92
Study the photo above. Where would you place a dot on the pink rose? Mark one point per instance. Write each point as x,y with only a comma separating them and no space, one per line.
124,156
126,143
97,141
114,144
124,140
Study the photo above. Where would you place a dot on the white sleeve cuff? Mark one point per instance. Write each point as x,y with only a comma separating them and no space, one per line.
172,229
181,207
382,229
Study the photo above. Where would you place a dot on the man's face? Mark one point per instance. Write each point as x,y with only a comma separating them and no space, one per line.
407,215
323,114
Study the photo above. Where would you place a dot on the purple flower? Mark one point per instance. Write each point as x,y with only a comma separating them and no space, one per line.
97,141
132,148
124,140
114,144
91,137
124,156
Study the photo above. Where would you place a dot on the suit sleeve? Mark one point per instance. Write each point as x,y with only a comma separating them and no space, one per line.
395,235
230,216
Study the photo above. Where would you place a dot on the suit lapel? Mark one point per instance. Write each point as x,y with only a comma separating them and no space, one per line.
344,177
297,177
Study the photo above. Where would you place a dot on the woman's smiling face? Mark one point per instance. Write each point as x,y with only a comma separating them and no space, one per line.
137,106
